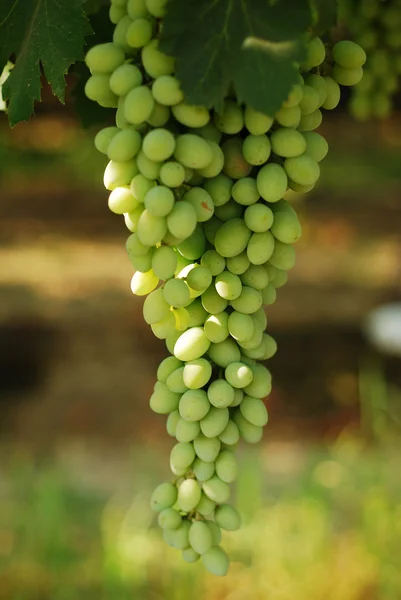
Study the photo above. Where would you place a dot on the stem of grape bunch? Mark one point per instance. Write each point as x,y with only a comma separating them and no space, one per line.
212,238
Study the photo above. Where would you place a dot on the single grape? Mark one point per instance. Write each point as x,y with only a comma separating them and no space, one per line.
271,182
216,327
348,54
231,120
189,494
193,151
227,517
256,122
191,116
138,105
139,33
164,496
200,537
104,58
256,149
220,393
155,62
194,405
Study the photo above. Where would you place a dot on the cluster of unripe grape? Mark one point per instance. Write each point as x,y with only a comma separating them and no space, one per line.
202,194
376,26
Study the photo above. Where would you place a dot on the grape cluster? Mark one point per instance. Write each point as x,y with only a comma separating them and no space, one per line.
212,236
376,26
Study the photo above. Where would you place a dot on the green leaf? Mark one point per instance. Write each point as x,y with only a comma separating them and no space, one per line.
251,44
325,13
47,33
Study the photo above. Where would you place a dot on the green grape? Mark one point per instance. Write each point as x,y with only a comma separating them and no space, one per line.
227,517
269,294
142,263
240,326
120,33
318,83
163,400
347,77
287,142
138,105
155,308
256,122
235,165
211,228
162,329
202,203
166,90
207,449
228,285
216,489
194,405
177,538
232,238
238,264
97,89
140,185
238,374
212,302
256,149
159,201
181,221
310,100
200,537
192,151
381,105
216,532
104,58
209,132
225,352
260,247
155,62
303,170
295,95
181,457
191,116
348,55
181,318
226,466
250,433
166,367
217,163
259,317
316,54
104,137
172,174
214,423
131,219
255,276
333,94
151,228
231,120
270,346
189,494
143,283
197,373
124,79
169,519
230,435
205,506
199,279
255,340
176,293
124,145
286,227
316,146
158,144
231,210
135,247
289,117
213,261
163,496
139,33
196,313
248,302
261,383
245,192
219,188
157,8
310,122
116,13
361,107
271,182
202,470
220,393
193,246
121,201
175,383
254,411
159,115
216,327
171,340
136,9
164,262
189,555
280,278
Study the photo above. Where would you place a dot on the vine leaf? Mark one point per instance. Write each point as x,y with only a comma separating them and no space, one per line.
252,45
324,13
35,33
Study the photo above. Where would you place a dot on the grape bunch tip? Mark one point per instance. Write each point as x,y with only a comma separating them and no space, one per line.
211,241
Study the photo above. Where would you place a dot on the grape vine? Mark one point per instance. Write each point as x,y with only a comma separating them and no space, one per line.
202,189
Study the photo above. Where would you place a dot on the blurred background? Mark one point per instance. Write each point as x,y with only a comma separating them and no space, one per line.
80,449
